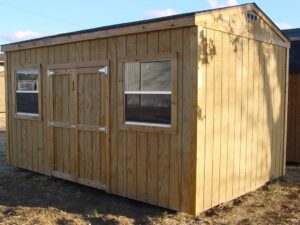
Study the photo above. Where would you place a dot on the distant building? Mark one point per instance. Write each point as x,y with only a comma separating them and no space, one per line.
293,143
2,62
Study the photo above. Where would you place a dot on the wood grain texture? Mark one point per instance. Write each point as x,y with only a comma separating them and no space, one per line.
175,145
243,122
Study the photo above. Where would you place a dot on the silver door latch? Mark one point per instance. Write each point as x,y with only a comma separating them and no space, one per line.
102,129
50,73
104,70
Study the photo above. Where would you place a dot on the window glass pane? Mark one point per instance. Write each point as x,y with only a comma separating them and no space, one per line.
27,80
148,108
27,91
156,76
132,76
27,103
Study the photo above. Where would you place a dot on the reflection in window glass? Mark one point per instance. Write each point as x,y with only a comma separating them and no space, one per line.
148,108
27,91
156,76
132,76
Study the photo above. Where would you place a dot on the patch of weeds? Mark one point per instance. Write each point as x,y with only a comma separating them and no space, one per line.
94,214
165,213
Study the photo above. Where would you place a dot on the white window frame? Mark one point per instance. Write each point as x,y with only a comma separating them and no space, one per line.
24,115
148,126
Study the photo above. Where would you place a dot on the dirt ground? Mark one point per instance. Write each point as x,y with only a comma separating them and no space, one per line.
29,198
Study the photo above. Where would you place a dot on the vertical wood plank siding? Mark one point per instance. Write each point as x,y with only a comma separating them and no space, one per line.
241,110
153,167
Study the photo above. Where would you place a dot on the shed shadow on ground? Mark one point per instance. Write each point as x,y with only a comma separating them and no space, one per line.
20,187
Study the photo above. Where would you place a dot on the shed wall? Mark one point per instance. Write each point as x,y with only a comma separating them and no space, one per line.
241,119
154,167
293,142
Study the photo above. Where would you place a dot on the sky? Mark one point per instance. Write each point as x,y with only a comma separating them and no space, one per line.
22,20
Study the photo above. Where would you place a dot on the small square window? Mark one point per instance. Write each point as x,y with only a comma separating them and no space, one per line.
27,91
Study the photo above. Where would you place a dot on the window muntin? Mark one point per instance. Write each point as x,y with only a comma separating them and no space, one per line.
27,91
147,95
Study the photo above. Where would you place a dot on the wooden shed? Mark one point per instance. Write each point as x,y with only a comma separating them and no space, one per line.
183,112
293,142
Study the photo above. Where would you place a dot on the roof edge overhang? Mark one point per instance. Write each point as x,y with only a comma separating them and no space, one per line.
169,22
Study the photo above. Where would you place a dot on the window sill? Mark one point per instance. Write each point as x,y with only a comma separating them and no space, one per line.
28,116
148,127
149,124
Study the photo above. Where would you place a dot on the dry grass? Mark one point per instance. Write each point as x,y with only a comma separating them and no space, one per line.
28,198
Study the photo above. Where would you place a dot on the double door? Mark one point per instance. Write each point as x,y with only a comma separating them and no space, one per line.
78,124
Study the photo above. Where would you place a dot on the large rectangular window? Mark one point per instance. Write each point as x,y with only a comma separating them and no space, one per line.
27,91
148,92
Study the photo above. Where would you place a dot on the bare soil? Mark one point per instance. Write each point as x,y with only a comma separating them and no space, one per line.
29,198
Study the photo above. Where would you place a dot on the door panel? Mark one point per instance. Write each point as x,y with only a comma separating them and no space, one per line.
62,152
78,121
61,84
91,107
91,117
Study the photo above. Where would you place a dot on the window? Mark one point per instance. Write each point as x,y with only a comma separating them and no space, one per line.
148,92
27,91
251,16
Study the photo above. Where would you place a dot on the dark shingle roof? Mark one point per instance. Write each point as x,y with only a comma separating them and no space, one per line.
294,36
292,33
